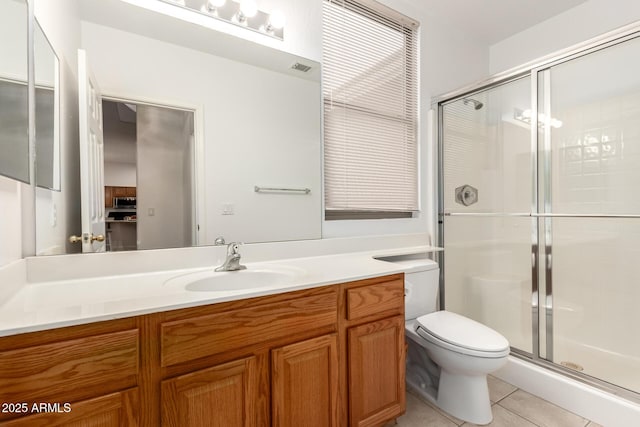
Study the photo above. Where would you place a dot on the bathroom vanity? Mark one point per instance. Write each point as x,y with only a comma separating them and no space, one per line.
330,355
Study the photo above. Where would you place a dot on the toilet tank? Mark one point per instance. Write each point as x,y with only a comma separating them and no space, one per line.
421,291
421,284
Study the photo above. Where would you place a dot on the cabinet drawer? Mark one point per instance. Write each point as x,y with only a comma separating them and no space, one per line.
74,369
367,300
194,338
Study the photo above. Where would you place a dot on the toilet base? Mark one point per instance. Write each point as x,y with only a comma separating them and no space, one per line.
465,397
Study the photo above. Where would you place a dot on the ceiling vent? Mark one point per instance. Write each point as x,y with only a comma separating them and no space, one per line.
300,67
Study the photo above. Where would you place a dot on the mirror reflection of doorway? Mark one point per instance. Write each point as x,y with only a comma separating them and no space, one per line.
148,176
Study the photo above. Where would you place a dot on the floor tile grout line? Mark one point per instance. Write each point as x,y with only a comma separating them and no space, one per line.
507,395
520,416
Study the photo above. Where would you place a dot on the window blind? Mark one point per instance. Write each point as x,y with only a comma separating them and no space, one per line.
369,79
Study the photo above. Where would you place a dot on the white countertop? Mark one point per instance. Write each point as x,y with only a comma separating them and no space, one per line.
47,305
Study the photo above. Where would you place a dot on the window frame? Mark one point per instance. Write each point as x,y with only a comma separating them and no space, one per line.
408,28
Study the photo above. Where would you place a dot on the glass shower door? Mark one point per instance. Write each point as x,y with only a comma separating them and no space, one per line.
488,196
590,168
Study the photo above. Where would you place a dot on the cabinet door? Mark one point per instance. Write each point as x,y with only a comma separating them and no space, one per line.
108,197
113,410
376,371
221,396
305,383
130,191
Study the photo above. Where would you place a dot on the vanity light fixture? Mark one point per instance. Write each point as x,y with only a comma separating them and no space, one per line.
244,13
543,119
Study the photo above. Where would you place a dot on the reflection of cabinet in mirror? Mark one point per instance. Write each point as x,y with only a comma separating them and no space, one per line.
111,193
121,217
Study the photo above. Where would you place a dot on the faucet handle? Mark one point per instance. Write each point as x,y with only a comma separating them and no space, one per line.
233,248
219,241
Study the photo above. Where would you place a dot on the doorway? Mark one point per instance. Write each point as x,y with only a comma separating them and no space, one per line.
148,176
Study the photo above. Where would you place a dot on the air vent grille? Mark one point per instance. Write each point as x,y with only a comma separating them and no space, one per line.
300,67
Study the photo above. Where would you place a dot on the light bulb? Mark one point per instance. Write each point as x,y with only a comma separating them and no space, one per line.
248,8
277,20
211,6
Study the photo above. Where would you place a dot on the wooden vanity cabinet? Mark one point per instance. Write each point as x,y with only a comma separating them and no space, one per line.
112,410
80,376
331,356
230,362
373,334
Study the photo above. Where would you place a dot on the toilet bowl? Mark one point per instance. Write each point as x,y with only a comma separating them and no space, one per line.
465,351
449,355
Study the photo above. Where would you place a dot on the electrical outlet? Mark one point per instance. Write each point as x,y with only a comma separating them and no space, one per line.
151,211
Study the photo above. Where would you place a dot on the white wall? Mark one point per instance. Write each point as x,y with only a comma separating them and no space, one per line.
576,25
61,24
119,148
10,220
162,145
118,174
13,49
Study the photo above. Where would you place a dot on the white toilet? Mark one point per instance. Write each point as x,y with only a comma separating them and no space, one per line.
449,356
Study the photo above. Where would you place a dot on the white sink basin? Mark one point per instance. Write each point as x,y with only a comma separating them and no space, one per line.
242,280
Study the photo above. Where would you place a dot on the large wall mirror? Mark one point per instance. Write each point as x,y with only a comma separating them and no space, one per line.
203,135
14,111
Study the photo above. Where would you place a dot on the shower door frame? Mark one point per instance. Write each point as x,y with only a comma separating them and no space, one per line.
539,144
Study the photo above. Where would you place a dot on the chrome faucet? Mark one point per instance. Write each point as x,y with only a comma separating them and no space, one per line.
232,263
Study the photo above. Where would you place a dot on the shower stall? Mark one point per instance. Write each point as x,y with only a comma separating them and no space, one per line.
539,210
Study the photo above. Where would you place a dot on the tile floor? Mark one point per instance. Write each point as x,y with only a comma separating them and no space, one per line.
511,406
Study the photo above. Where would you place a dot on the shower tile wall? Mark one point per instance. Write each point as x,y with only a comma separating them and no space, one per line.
597,157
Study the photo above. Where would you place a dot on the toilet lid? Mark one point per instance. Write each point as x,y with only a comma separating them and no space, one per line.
462,332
